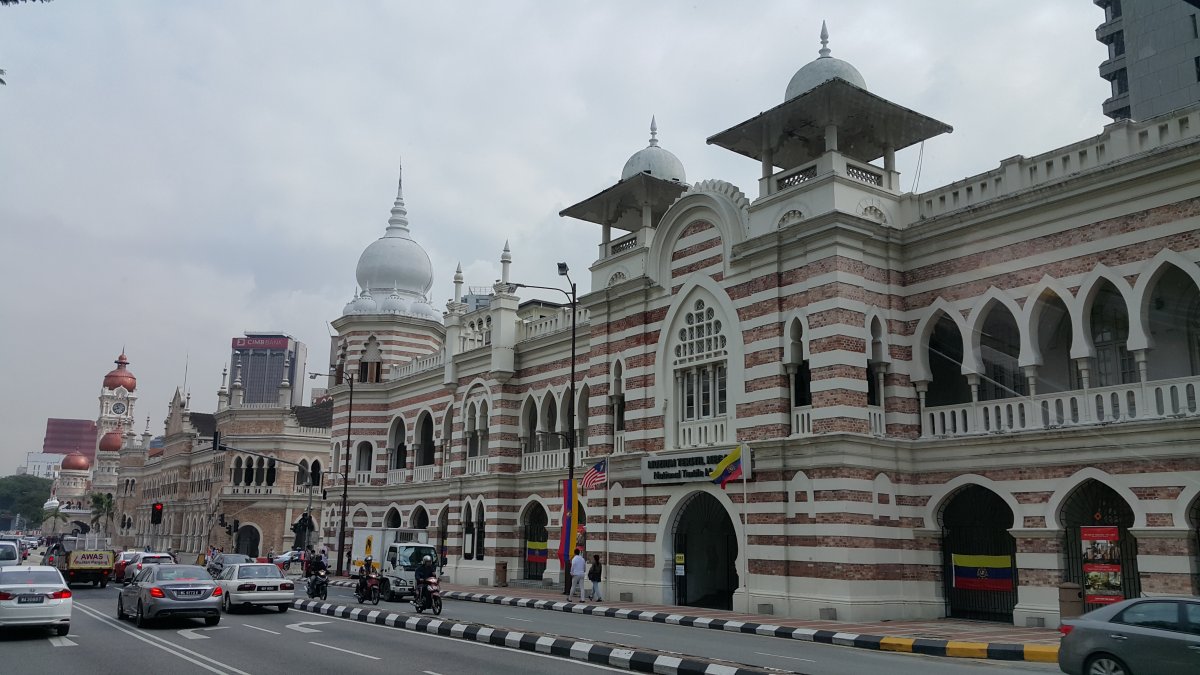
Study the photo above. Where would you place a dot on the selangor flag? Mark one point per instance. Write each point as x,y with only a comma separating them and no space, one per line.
535,551
728,469
569,529
982,572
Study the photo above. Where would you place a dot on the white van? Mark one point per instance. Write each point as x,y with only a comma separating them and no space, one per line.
10,553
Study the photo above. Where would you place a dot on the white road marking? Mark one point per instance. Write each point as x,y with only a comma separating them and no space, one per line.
62,642
430,672
300,627
159,643
191,634
781,656
516,619
365,656
625,634
262,629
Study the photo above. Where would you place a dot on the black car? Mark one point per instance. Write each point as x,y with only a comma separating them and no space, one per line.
222,560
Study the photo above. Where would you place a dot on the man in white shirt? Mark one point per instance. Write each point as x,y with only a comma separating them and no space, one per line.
578,570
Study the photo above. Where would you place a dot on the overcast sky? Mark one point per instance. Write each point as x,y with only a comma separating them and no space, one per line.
173,174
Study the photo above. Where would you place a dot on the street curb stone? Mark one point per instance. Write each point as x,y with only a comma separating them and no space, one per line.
578,650
996,651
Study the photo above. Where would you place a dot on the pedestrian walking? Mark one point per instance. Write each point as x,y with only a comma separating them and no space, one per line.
595,575
578,569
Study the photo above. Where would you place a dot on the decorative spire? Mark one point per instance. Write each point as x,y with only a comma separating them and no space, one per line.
287,365
505,261
653,132
399,219
224,374
824,52
147,425
237,378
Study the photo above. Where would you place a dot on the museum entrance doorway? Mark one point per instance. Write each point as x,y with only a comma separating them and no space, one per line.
705,554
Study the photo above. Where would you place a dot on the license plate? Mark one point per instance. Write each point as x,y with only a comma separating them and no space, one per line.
188,594
267,588
30,599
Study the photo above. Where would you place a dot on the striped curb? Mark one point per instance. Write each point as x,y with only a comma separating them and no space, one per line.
999,651
627,659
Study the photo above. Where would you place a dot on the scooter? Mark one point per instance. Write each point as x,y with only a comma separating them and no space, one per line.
369,592
318,585
430,598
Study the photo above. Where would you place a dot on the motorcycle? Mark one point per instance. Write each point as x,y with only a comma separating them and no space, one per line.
369,590
318,585
430,598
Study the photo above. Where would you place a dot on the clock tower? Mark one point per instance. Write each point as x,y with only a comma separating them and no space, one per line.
114,423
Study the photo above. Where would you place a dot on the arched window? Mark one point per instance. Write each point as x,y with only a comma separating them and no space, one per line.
302,473
370,366
235,475
270,472
1110,332
617,399
581,417
468,533
472,432
797,367
365,457
397,435
481,428
548,436
425,447
700,358
260,472
480,531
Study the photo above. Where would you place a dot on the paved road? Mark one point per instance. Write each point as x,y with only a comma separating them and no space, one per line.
752,650
257,642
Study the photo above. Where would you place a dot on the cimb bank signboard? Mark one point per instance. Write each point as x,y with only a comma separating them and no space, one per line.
688,467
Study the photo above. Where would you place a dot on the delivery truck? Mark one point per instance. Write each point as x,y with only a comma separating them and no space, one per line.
82,560
395,552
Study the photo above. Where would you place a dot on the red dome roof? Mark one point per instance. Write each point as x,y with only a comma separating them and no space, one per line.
111,442
76,461
119,376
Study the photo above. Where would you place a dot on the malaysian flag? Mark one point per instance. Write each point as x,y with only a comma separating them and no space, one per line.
596,475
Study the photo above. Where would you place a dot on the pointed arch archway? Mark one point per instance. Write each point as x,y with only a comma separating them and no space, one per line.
536,541
978,555
1091,515
703,533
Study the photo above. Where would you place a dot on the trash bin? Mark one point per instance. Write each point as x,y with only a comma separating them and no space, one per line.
1070,600
501,573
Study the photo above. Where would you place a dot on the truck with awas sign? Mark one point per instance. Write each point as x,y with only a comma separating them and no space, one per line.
82,560
395,553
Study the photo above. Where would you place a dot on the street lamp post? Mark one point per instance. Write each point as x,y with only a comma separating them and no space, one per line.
564,271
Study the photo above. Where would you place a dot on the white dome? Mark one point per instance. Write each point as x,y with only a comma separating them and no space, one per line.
654,160
365,304
823,69
395,262
393,303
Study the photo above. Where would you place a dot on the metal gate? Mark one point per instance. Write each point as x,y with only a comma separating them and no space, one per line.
1094,503
536,544
976,523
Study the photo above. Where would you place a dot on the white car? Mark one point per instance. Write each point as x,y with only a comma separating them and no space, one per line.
255,584
34,595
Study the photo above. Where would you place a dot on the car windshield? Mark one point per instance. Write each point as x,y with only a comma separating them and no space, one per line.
127,555
259,572
29,577
155,560
8,552
182,573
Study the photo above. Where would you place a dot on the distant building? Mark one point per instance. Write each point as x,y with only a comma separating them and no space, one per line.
65,436
1153,59
41,464
262,359
478,297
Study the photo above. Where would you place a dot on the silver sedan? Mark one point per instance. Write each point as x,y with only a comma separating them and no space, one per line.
1146,636
160,591
256,584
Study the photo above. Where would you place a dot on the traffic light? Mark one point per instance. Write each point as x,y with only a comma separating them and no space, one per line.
236,525
221,520
156,513
229,529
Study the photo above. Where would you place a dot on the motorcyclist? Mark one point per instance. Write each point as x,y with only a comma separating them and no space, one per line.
316,566
363,571
425,569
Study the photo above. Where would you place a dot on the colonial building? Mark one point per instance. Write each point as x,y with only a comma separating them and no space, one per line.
262,493
948,403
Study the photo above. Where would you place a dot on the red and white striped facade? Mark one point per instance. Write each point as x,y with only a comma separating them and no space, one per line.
816,324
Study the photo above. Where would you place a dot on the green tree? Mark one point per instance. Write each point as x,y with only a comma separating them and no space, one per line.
104,509
23,495
55,516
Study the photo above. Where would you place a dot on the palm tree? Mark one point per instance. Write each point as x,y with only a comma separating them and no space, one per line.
104,509
55,516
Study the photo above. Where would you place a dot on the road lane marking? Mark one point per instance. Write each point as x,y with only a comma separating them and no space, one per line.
262,629
191,634
159,643
516,619
781,656
430,672
625,634
365,656
62,642
300,627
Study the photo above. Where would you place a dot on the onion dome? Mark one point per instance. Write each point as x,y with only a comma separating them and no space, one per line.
393,303
51,503
120,376
111,442
823,69
395,261
76,461
364,304
654,160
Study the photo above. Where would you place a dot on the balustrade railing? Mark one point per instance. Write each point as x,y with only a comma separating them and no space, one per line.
362,477
619,443
698,433
395,476
424,474
248,490
802,420
877,420
477,466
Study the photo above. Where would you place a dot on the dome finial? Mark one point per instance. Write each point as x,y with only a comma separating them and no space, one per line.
824,52
399,219
653,131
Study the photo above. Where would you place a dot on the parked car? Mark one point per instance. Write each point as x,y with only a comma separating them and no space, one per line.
255,584
122,560
160,591
287,558
10,553
34,595
141,561
223,560
1142,636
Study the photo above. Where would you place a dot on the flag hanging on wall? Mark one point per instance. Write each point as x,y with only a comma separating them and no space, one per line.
535,552
570,524
982,572
596,475
728,469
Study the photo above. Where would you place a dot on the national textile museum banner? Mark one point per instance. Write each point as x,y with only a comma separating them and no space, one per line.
689,467
1101,564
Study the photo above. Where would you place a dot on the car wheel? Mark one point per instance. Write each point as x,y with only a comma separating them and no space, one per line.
63,629
120,609
212,620
1106,664
385,590
104,583
283,608
227,605
141,619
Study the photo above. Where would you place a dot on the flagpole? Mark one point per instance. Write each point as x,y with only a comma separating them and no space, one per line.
746,529
607,536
